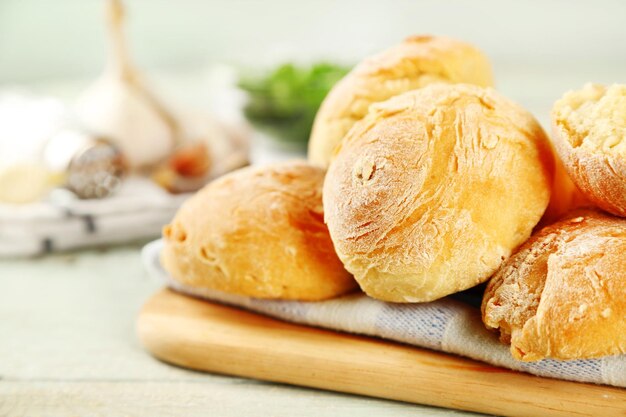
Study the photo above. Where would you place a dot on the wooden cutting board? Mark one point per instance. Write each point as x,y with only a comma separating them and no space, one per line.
210,337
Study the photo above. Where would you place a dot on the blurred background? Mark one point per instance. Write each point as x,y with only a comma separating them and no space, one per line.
227,83
42,40
544,46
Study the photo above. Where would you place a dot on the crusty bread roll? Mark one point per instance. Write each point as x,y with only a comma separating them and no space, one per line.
257,232
562,295
416,62
434,188
564,197
590,136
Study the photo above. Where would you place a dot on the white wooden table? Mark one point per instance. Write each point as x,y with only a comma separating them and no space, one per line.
68,348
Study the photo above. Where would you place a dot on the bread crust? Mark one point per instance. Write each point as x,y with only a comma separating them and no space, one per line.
257,232
589,132
561,295
414,63
565,196
434,188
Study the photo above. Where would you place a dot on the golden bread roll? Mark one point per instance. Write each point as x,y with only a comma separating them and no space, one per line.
562,295
590,136
564,197
434,188
416,62
257,232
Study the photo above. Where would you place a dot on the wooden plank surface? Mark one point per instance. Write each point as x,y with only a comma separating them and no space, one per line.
204,336
210,396
68,347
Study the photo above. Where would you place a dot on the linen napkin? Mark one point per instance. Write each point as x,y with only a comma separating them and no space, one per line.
136,211
447,325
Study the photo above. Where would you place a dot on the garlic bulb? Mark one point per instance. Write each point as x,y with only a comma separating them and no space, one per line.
120,107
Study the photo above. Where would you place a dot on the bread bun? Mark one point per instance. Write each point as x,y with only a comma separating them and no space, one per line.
416,62
564,197
434,188
562,295
257,232
590,136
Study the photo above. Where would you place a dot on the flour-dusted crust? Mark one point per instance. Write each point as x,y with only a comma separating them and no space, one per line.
590,136
562,295
414,63
434,188
257,232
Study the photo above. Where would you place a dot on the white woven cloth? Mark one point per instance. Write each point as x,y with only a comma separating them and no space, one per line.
445,325
138,210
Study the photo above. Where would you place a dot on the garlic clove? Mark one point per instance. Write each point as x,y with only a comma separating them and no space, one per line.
227,145
122,108
114,110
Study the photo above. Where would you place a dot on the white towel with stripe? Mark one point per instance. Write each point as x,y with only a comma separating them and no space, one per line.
446,325
137,211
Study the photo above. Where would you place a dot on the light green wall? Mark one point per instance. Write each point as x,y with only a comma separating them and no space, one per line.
43,39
